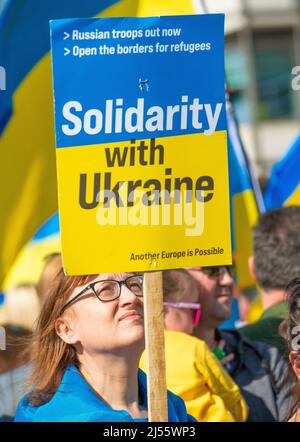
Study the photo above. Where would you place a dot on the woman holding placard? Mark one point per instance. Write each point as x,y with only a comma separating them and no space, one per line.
86,351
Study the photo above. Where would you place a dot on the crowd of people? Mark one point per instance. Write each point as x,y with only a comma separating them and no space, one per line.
75,344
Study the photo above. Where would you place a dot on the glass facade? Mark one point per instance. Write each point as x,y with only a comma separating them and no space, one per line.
273,61
273,64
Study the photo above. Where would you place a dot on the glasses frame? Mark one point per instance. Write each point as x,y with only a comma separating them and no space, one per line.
230,269
92,285
187,305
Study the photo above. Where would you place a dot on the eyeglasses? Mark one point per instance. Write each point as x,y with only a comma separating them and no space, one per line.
109,289
188,305
218,271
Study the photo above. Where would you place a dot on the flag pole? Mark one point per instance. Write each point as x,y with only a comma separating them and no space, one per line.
201,8
237,135
155,347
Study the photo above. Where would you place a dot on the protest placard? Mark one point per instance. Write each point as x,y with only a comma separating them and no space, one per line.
142,154
141,143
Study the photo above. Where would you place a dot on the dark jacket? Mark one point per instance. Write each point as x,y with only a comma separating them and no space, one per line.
261,373
266,328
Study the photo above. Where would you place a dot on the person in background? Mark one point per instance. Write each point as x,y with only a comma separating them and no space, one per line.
192,371
13,370
290,331
51,268
275,262
20,311
258,369
85,354
21,306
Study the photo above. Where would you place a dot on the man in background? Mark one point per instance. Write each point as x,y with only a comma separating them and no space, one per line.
257,368
274,264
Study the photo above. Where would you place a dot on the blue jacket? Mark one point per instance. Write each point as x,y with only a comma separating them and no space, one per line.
76,401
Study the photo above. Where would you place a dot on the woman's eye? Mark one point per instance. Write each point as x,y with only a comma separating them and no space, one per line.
135,287
105,289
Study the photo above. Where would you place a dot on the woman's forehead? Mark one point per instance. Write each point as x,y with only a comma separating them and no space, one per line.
121,276
114,276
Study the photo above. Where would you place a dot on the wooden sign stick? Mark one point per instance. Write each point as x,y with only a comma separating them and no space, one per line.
155,347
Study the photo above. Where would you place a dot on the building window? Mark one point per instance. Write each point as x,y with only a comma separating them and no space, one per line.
273,63
237,77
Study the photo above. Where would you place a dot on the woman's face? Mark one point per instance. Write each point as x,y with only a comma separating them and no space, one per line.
98,327
181,319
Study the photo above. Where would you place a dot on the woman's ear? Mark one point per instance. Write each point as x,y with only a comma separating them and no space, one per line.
294,358
251,265
65,329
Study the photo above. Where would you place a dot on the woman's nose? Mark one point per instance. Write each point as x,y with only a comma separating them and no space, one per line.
127,296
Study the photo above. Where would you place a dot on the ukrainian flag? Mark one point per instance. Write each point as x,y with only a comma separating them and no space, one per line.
30,261
283,188
246,202
27,175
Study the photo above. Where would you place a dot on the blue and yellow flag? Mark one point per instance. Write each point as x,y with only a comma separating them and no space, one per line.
246,202
27,175
29,263
283,188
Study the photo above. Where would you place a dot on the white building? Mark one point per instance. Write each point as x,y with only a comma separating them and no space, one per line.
262,47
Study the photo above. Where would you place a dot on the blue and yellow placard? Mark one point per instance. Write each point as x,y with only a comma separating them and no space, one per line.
141,142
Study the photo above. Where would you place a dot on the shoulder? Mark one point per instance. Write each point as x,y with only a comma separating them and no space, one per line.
177,409
74,400
66,408
271,356
25,411
252,329
50,411
266,328
176,406
233,338
191,349
179,341
249,350
181,337
266,353
277,311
